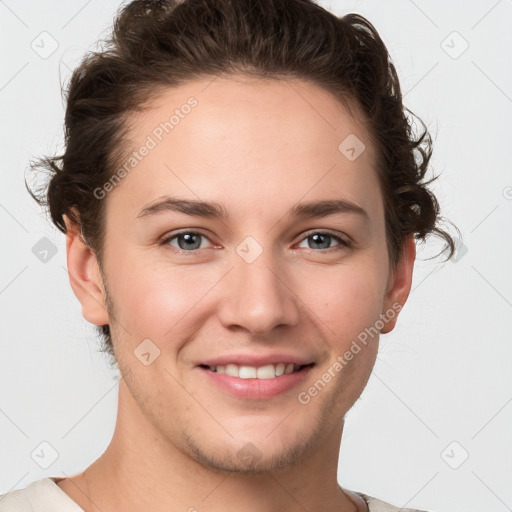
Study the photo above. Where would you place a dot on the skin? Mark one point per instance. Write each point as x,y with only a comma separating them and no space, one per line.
257,147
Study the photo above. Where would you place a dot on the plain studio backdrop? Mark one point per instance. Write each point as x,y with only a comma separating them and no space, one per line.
432,428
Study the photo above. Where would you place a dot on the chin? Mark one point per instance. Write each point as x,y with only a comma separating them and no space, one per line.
243,455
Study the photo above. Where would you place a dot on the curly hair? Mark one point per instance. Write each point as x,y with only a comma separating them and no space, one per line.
155,45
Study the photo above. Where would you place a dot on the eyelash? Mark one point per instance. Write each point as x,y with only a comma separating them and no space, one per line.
343,244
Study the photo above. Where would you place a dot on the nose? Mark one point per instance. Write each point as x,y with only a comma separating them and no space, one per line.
258,297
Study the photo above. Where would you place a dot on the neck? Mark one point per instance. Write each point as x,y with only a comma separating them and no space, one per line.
142,470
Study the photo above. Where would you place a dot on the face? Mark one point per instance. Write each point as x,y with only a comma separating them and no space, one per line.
285,269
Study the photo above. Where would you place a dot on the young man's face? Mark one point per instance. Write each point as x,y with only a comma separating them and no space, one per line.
256,287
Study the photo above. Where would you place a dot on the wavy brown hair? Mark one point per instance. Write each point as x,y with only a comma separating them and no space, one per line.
155,45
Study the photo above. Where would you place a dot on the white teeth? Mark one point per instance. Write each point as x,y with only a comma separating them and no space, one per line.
231,370
268,371
247,372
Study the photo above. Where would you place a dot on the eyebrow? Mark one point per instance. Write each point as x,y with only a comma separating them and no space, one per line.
212,209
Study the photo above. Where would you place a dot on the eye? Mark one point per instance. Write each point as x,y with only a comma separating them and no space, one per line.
191,241
322,240
187,241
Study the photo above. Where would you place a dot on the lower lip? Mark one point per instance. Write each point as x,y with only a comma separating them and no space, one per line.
257,389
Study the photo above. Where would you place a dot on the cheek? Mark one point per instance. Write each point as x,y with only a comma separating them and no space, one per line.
165,302
351,305
347,298
146,295
154,299
152,302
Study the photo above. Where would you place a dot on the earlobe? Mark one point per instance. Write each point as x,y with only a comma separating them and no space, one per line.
399,285
84,275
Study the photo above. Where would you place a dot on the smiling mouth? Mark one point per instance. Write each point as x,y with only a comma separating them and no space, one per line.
269,371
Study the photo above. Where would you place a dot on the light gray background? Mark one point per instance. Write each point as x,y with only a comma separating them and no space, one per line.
442,375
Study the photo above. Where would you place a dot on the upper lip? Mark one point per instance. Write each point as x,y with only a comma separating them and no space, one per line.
256,360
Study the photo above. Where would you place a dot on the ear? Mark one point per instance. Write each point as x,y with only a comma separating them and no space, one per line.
399,284
85,276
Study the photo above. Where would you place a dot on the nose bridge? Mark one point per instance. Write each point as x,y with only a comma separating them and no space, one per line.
257,297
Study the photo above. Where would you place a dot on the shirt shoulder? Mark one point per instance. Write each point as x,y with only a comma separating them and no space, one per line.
43,495
376,505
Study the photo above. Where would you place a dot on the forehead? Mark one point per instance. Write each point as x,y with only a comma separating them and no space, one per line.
241,109
245,139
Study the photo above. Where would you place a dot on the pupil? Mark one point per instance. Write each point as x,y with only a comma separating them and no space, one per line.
189,241
326,237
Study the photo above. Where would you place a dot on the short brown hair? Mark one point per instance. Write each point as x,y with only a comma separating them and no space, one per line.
160,44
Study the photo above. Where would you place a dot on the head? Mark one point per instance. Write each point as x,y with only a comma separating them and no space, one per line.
285,125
